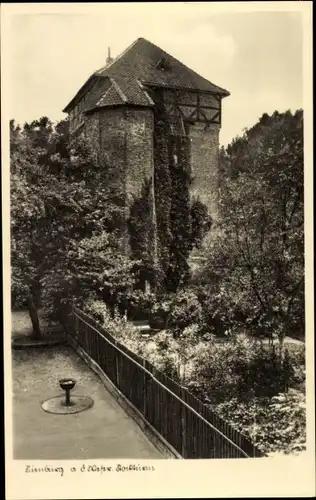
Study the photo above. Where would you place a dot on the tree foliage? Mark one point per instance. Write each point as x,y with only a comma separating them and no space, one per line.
59,199
255,265
142,236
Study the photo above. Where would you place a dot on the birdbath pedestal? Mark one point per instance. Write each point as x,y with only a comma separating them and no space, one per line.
64,405
67,384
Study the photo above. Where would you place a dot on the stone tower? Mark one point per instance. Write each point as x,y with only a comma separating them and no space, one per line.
116,109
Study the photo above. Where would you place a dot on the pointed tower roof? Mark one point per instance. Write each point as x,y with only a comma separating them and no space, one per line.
141,65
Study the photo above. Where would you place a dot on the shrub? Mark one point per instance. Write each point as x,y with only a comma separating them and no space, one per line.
178,311
98,310
274,425
115,324
185,310
242,368
140,304
160,312
214,318
296,355
162,352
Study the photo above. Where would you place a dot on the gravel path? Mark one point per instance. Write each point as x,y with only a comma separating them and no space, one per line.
104,431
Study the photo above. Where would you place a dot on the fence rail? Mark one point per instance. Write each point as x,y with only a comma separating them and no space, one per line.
192,428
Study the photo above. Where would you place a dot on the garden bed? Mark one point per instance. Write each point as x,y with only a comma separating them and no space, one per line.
240,378
274,425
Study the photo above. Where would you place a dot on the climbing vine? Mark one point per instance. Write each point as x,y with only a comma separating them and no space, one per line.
180,222
163,190
140,229
180,246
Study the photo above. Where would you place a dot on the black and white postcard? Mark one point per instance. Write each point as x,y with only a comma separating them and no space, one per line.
158,249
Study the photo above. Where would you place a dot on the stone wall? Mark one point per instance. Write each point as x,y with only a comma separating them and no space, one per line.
204,164
123,138
113,146
139,149
91,130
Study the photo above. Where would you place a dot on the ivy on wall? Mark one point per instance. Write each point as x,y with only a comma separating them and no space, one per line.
140,228
163,195
181,243
180,222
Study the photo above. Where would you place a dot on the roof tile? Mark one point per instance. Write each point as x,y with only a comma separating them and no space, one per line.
143,60
142,64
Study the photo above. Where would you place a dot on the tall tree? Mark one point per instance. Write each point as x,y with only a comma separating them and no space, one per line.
58,198
255,265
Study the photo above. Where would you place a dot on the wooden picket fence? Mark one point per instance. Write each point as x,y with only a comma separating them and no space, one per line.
189,426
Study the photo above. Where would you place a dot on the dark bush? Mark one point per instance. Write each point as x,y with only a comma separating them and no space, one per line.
177,311
244,368
140,305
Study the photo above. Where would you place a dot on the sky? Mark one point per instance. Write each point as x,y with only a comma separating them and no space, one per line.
255,55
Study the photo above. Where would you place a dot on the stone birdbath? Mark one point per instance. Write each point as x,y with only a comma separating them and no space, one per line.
64,405
67,384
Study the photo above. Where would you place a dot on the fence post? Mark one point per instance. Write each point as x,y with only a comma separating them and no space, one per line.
117,368
76,328
144,390
183,427
73,322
